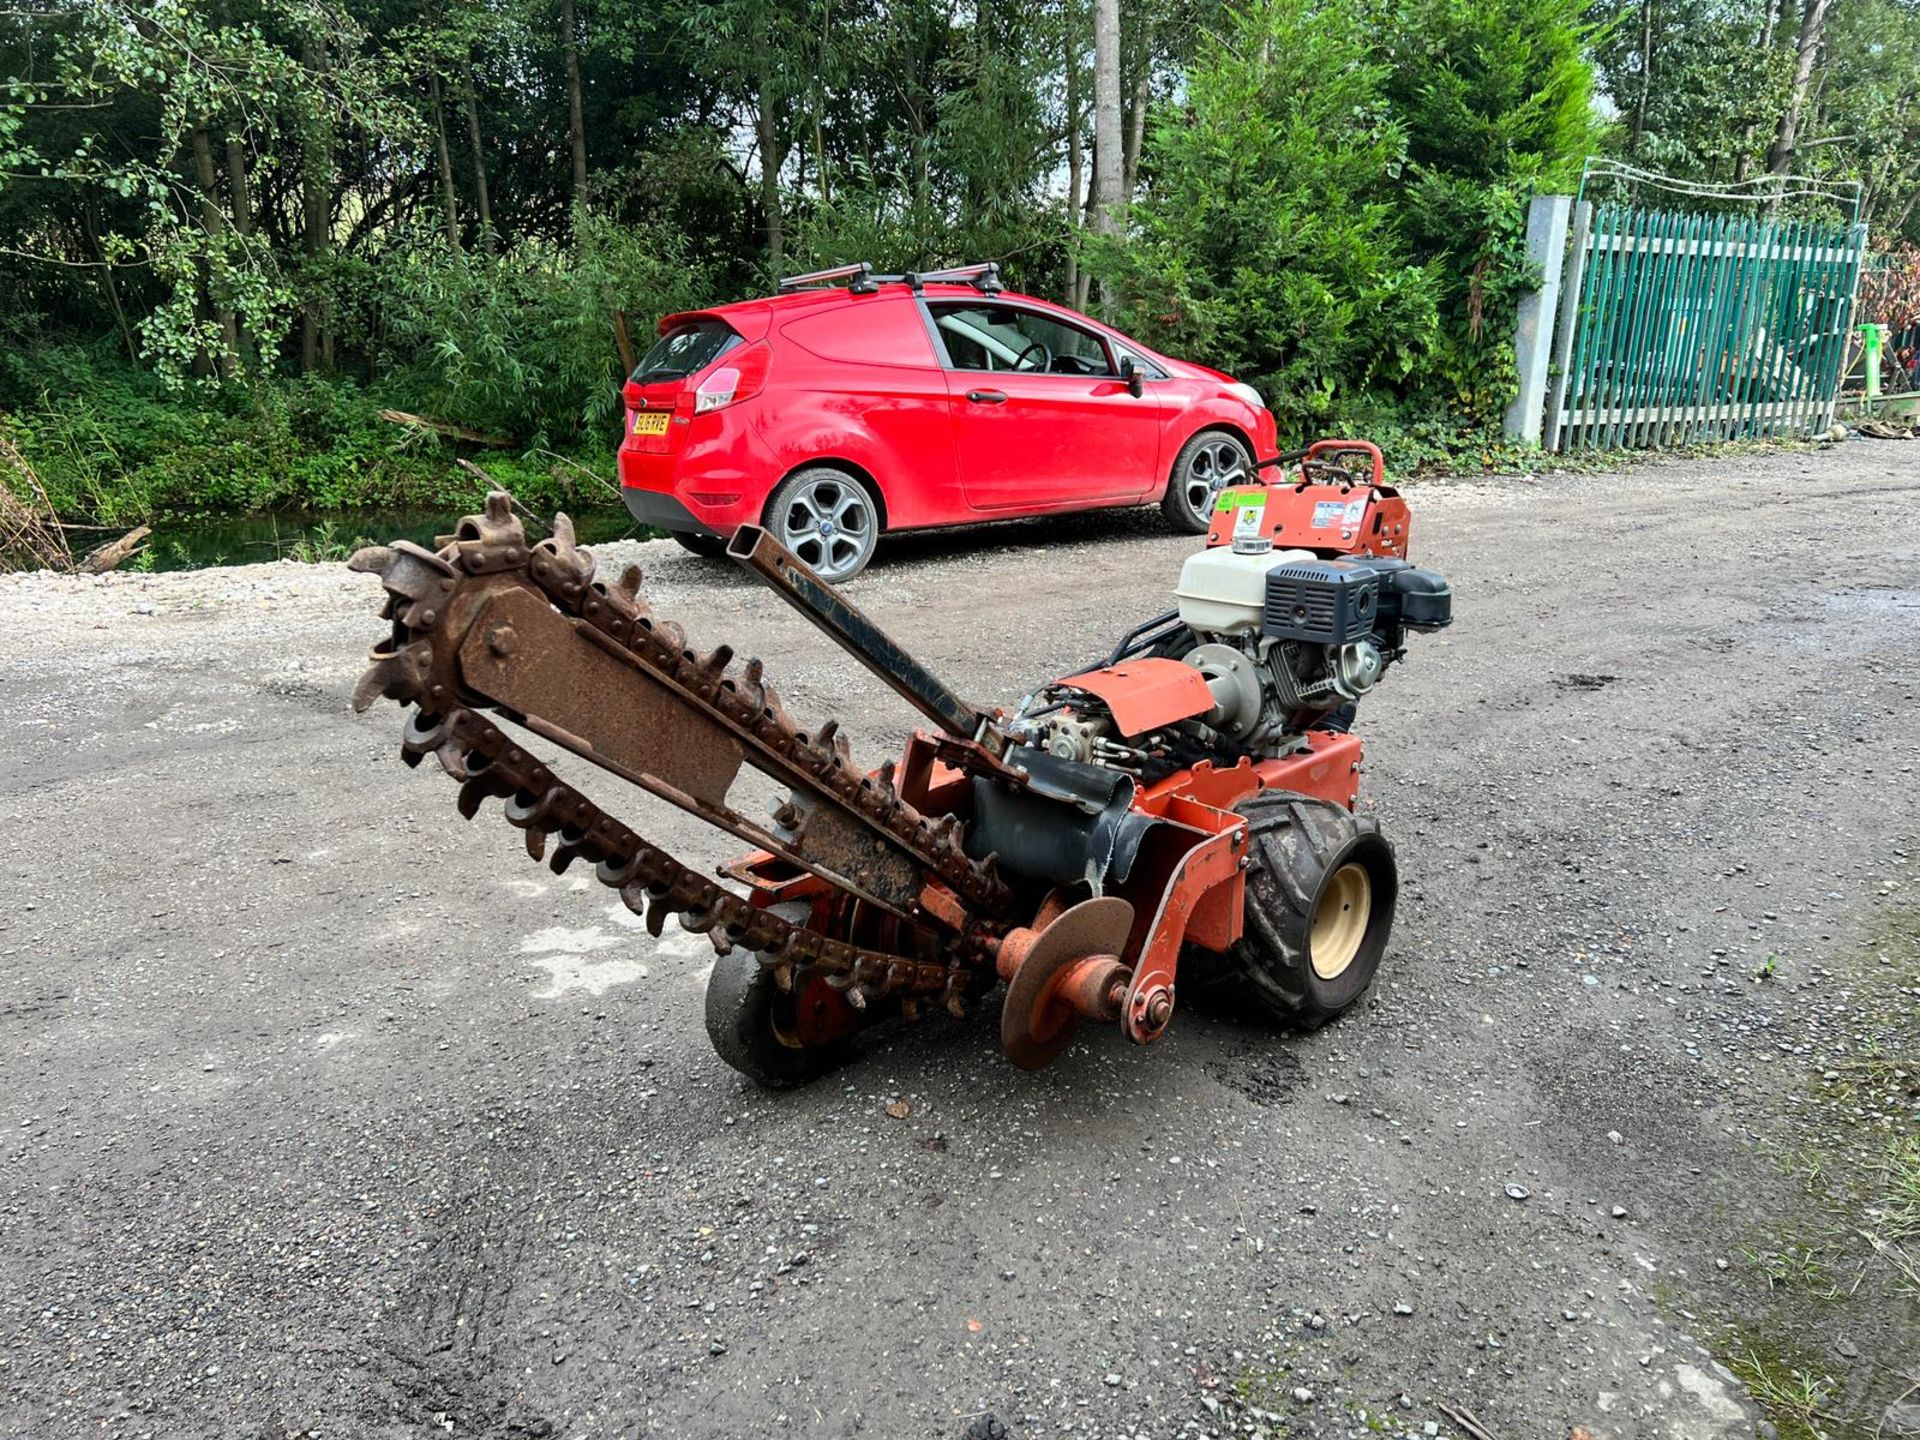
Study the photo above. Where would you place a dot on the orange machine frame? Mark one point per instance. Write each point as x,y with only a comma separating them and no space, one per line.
1342,514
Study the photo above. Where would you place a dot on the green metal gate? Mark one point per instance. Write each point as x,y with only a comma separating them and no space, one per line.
1680,327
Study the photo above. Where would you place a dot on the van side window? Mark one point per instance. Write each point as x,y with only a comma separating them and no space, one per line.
1007,338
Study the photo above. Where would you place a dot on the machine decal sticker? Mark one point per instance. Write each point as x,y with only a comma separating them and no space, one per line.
1250,520
1328,513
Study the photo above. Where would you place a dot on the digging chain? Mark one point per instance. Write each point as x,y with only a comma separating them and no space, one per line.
652,884
418,667
421,583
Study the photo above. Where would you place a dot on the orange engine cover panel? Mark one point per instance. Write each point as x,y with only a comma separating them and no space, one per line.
1143,695
1332,519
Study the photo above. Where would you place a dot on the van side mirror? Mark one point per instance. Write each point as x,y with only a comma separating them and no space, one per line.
1130,372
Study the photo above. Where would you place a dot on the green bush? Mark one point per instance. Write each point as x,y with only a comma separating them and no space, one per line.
114,446
1496,99
1266,242
521,345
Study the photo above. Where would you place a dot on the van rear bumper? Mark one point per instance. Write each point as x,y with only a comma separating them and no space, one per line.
663,512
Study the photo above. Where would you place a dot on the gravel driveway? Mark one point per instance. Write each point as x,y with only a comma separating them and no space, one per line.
325,1113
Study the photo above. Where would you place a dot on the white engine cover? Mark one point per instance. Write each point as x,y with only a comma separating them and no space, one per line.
1224,592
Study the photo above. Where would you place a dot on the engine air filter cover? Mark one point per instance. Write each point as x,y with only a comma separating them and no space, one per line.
1322,602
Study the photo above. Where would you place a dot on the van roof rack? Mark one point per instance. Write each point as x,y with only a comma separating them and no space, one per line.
860,279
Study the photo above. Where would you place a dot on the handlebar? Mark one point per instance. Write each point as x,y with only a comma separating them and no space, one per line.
1310,459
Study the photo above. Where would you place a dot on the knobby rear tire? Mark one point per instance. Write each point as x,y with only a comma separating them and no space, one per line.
1300,854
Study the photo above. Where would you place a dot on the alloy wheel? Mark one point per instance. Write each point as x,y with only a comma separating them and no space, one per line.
830,523
1211,467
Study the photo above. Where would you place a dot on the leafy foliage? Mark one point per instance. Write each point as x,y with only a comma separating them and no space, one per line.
519,344
1496,97
1266,240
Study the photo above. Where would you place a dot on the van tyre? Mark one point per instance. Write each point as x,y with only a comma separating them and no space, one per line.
1321,887
705,544
827,518
1206,465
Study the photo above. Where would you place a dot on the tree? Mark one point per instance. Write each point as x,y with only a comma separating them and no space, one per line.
1496,99
1813,25
1265,239
576,110
1700,79
1109,156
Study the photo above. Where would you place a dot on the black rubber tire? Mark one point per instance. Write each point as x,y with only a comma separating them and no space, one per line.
707,546
846,553
1178,504
743,1003
1298,846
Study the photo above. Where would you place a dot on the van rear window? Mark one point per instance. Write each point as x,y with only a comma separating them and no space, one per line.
684,350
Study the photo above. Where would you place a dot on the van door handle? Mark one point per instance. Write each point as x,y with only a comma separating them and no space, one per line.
987,397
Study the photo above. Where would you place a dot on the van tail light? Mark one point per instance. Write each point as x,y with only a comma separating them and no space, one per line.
741,378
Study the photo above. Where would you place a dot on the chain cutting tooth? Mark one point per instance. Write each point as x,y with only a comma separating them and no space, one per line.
393,675
424,733
753,682
371,559
461,764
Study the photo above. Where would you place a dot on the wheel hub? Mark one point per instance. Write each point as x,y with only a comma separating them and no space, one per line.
1340,920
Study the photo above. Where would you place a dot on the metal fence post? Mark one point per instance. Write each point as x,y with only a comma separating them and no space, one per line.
1569,318
1857,242
1533,337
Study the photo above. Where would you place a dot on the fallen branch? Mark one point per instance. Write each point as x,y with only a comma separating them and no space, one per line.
446,428
105,557
598,479
1464,1421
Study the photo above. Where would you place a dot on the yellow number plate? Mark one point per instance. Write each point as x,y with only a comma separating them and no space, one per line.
650,422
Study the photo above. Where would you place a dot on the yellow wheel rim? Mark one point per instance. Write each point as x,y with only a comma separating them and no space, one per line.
1340,922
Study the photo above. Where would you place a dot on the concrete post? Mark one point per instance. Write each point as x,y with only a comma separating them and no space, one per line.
1533,337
